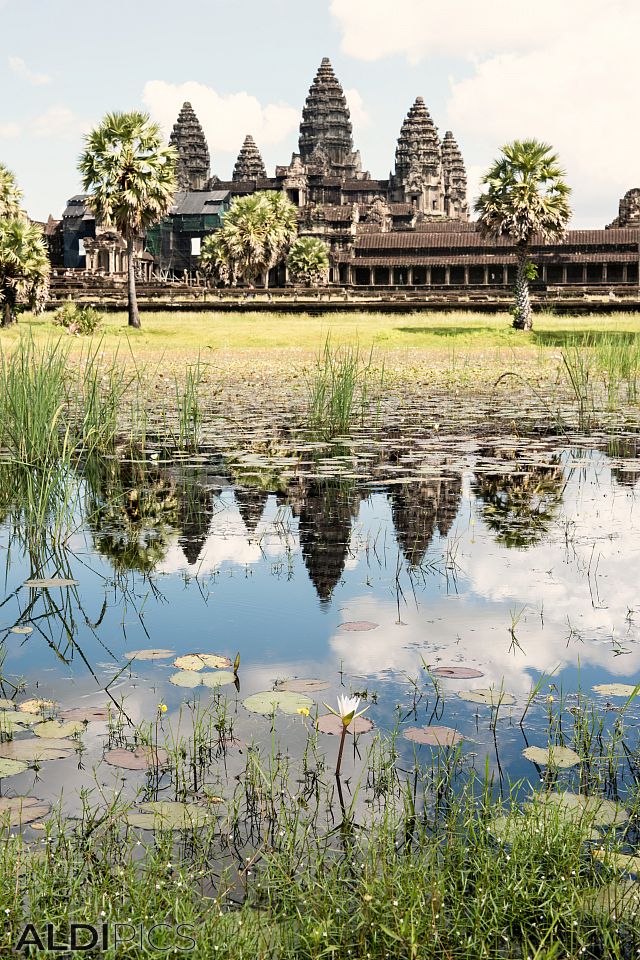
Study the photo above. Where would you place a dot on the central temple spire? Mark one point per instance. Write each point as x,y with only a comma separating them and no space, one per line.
326,135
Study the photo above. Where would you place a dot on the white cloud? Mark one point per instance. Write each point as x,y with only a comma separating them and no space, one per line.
57,122
357,109
226,119
10,131
567,75
20,68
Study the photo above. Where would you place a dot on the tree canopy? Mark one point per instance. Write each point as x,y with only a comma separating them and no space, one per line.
10,193
130,174
308,261
525,196
255,236
24,261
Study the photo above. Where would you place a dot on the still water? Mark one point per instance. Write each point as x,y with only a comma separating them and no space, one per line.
519,562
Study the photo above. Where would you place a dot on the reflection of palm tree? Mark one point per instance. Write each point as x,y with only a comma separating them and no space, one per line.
325,512
624,450
251,504
133,509
519,506
419,508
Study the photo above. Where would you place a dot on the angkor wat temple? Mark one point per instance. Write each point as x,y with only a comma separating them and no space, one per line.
411,229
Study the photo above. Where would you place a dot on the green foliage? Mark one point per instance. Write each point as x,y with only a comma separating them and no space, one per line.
10,193
24,268
339,384
525,196
308,261
130,174
255,237
77,319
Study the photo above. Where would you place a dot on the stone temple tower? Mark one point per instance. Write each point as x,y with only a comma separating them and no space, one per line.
326,135
193,153
455,179
418,175
249,165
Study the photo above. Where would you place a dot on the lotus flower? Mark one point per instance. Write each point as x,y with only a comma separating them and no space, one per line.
347,709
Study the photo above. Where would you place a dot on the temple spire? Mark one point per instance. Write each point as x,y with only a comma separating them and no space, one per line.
455,179
249,165
193,153
418,175
326,135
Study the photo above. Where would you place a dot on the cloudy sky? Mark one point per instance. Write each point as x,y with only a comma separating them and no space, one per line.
566,72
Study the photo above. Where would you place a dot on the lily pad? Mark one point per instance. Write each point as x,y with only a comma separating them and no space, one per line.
358,626
329,723
11,720
554,756
153,654
490,696
217,678
20,810
9,768
56,728
267,701
434,736
142,758
37,706
22,629
44,583
37,748
85,714
198,661
457,673
615,689
598,810
168,815
186,678
303,686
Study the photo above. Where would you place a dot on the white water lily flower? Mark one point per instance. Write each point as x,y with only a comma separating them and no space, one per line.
347,709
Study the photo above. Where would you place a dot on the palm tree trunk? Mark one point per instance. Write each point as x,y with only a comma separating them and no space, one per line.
132,299
8,315
522,317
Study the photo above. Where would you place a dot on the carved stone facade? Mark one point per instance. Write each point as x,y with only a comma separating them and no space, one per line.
249,165
629,211
193,153
326,136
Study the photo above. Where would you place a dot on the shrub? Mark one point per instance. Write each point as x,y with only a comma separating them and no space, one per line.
76,319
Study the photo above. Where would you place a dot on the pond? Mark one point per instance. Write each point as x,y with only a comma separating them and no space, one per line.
410,575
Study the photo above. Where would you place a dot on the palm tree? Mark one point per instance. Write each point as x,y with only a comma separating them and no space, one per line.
24,268
10,193
255,236
131,175
526,195
308,261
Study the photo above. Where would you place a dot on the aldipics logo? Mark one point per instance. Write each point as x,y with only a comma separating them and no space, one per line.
80,937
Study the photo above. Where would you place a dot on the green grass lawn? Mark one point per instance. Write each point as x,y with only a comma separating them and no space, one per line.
186,333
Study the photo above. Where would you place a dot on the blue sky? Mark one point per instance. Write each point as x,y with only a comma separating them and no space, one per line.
247,65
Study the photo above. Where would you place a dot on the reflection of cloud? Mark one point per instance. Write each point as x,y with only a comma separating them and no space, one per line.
226,543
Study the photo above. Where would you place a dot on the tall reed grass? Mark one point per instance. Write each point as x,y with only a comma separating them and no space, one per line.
340,386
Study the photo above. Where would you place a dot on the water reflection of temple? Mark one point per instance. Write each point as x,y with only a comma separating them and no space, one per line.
419,509
251,503
325,512
624,450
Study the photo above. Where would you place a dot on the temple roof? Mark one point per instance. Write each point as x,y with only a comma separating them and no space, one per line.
452,162
418,143
193,153
326,136
249,165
